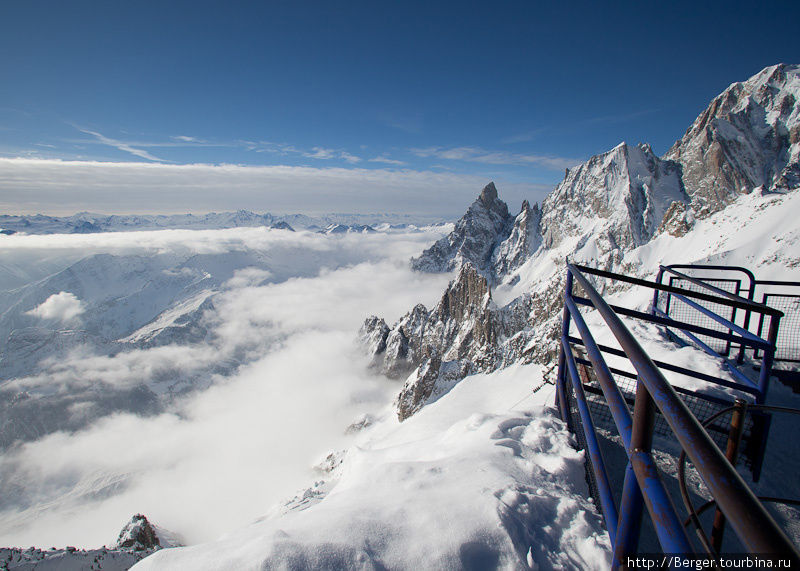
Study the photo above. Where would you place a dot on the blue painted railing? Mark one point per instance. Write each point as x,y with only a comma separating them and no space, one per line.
654,395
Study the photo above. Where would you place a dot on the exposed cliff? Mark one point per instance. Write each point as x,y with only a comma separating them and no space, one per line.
749,136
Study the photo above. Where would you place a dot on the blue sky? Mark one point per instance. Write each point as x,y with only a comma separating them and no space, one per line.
465,91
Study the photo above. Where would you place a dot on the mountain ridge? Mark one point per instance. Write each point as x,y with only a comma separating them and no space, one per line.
612,203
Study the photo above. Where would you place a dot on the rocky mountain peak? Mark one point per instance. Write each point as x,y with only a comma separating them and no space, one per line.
748,137
621,194
138,534
488,194
475,236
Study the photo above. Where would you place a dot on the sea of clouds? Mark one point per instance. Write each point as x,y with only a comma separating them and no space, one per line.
277,381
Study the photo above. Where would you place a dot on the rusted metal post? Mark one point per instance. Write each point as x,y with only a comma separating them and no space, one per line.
731,453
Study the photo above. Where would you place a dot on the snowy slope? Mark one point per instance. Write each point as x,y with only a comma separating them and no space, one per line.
472,481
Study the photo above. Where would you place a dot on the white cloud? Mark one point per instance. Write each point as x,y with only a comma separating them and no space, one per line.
387,160
65,187
479,155
187,139
122,146
350,158
63,306
327,154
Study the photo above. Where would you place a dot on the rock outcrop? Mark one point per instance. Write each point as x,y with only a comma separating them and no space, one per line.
138,534
435,349
475,236
137,540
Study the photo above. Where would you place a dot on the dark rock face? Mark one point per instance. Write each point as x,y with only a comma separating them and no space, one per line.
435,349
474,239
282,225
523,241
747,137
138,534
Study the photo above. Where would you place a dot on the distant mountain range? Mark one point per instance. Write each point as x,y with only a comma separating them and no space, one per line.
86,222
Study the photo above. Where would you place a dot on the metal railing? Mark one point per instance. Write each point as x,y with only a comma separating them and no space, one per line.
655,396
778,294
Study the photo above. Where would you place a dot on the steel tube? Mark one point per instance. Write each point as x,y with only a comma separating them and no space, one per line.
751,386
669,322
731,453
744,303
561,379
718,318
630,522
593,446
668,526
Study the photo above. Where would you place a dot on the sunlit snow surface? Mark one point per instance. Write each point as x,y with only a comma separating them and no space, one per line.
485,477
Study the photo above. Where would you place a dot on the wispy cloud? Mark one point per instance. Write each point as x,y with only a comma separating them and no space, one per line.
386,160
522,137
316,153
479,155
327,154
122,146
187,139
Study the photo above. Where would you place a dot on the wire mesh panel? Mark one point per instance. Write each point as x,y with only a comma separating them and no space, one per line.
576,426
680,311
702,406
788,342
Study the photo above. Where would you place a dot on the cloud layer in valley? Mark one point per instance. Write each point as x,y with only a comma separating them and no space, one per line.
217,458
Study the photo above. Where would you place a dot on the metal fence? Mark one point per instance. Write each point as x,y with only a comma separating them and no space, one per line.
641,404
781,295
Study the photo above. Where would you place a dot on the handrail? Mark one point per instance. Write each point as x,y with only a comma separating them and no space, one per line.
670,322
746,514
748,273
705,285
744,304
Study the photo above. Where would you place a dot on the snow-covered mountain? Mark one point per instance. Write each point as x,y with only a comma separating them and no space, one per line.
603,210
748,137
617,199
